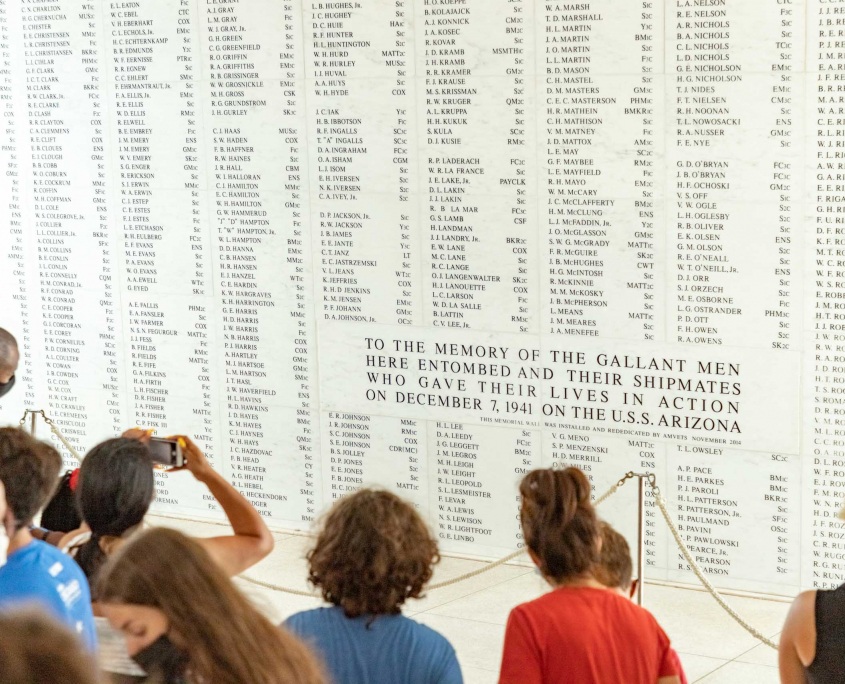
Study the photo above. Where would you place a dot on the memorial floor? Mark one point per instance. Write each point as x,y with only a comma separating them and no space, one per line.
472,613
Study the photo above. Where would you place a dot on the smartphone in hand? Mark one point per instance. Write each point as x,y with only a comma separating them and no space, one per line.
166,452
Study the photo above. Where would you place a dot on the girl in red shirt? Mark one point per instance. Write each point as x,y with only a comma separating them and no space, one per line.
578,633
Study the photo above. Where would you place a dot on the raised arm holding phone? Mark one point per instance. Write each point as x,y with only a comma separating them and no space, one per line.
251,540
116,488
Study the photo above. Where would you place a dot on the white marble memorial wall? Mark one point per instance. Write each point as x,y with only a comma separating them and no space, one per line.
431,244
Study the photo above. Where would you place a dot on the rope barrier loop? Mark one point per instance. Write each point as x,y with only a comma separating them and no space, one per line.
53,428
699,573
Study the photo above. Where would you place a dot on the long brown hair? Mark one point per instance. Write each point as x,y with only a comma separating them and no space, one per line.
227,640
372,553
559,522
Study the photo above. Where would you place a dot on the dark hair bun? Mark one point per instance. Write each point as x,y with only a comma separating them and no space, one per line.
559,522
581,486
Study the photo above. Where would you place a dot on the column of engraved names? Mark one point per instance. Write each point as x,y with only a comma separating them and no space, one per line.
257,207
54,236
365,450
162,315
94,57
515,57
15,276
707,520
732,117
573,255
402,57
460,492
242,228
349,439
596,65
720,494
142,240
701,108
361,127
644,102
824,465
299,254
787,123
194,182
68,200
476,160
475,503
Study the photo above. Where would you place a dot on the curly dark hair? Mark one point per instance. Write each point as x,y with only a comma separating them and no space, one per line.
372,554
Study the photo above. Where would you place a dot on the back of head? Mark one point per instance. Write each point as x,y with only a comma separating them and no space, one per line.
614,569
30,471
228,640
9,355
372,553
559,522
116,487
37,650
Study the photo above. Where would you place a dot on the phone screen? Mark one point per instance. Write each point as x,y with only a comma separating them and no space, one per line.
165,451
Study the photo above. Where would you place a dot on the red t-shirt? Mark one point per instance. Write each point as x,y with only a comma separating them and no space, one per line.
582,635
676,661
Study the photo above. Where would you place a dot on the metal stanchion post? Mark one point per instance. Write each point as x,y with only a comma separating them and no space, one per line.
641,538
32,418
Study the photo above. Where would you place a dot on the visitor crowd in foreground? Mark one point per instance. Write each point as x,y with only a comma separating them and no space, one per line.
108,601
93,598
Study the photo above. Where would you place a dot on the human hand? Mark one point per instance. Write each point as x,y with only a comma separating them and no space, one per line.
140,434
195,460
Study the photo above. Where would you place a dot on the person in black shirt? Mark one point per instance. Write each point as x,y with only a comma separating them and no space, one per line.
813,639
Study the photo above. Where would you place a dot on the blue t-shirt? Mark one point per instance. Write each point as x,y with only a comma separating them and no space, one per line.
392,648
42,576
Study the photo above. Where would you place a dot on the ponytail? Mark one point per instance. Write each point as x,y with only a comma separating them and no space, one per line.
91,557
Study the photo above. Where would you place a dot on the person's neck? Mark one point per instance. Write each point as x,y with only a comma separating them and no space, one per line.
579,581
19,540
